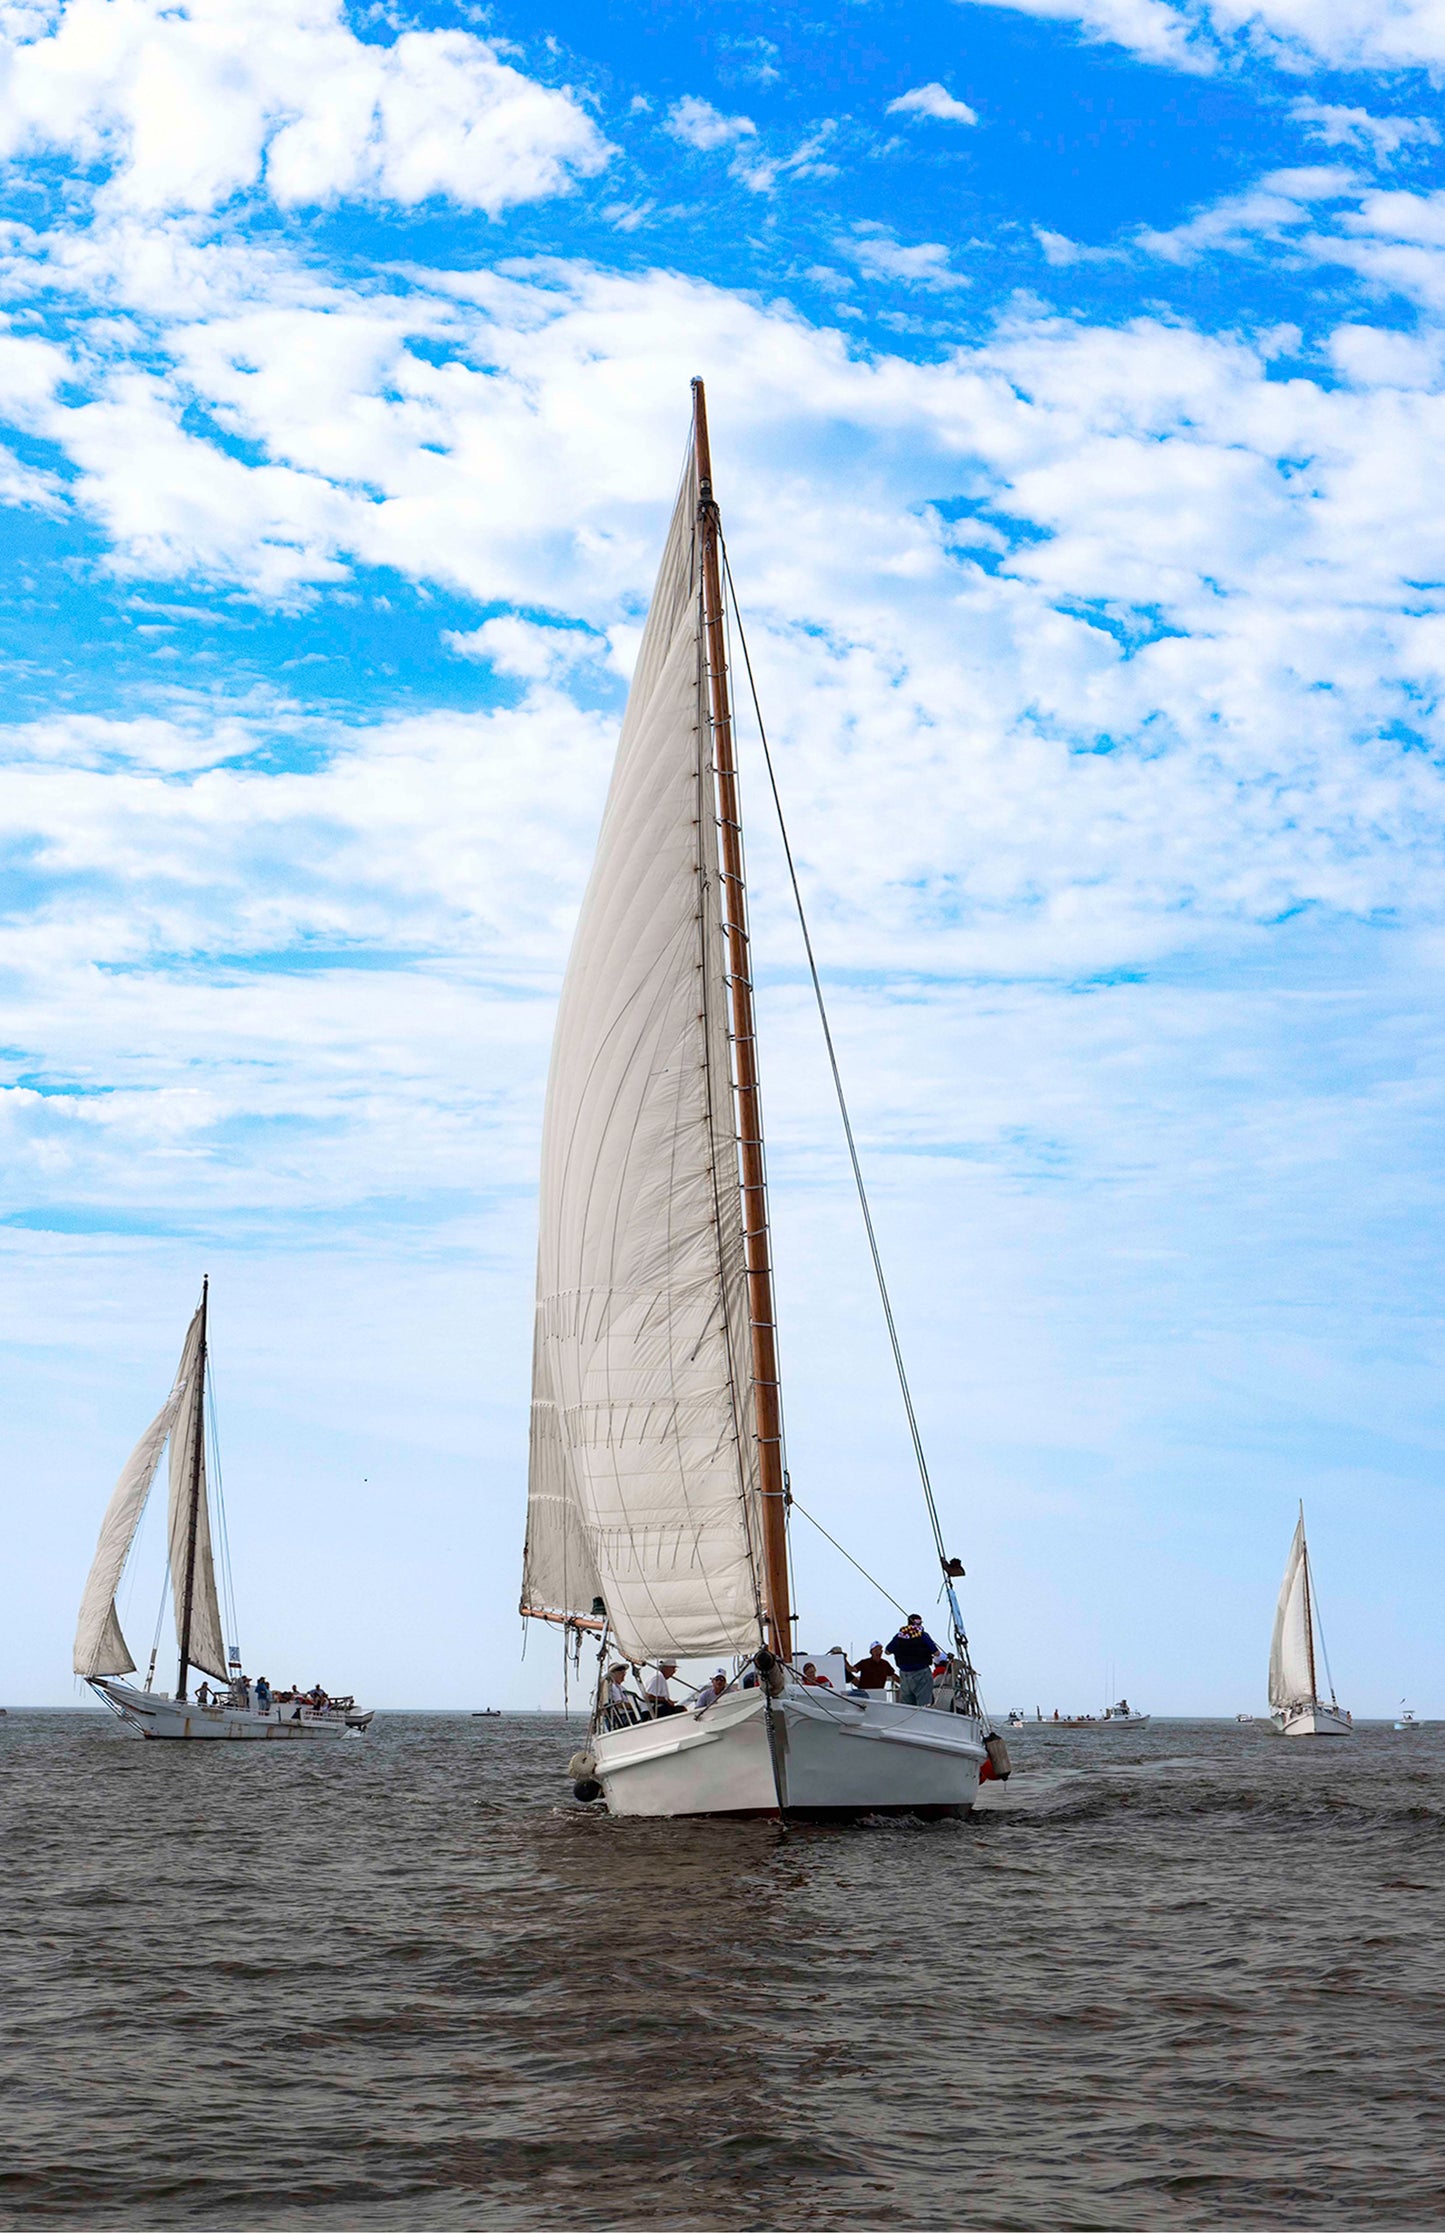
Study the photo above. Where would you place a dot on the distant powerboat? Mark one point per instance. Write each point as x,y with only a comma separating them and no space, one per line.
1407,1717
1294,1696
1120,1716
236,1708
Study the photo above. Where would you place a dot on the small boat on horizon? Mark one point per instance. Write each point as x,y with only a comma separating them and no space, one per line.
1296,1706
237,1708
1407,1717
1119,1716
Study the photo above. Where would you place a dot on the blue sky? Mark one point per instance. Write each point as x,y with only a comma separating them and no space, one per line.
1075,372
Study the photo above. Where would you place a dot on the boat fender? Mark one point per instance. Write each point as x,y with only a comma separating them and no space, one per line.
580,1764
586,1788
1000,1766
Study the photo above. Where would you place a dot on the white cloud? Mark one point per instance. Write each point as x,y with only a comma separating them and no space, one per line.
184,108
1280,201
1380,136
1060,251
933,100
1151,29
879,256
1199,34
522,649
698,124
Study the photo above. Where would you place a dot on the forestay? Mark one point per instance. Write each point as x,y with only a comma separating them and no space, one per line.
207,1649
643,1487
100,1647
1291,1665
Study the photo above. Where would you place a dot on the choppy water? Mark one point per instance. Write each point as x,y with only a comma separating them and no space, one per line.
1188,1977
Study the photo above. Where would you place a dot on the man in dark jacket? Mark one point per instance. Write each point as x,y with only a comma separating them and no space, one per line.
913,1652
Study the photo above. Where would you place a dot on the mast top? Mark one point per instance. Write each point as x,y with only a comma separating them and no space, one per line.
702,446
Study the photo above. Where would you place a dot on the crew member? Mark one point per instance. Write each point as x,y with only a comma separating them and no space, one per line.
915,1651
656,1691
873,1673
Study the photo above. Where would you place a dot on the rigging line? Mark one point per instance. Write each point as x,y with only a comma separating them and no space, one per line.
848,1555
790,1639
705,782
161,1609
228,1590
873,1249
1324,1647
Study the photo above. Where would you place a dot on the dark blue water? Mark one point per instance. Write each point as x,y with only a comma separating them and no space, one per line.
1192,1976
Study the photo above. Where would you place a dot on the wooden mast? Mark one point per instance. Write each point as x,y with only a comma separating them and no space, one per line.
767,1396
197,1454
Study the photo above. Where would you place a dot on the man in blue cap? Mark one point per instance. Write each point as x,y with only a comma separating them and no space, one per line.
915,1652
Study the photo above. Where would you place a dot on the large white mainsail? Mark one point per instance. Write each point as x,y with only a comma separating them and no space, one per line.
100,1647
643,1483
207,1648
1291,1648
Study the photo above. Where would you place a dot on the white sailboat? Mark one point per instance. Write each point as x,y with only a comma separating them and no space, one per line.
658,1497
102,1656
1295,1703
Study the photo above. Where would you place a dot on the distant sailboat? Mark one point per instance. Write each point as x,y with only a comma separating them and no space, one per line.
102,1655
1295,1702
658,1501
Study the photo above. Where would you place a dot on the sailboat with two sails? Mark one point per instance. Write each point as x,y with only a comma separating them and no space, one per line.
1296,1706
659,1497
237,1708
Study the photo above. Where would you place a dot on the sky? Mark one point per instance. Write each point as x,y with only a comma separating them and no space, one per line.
1075,374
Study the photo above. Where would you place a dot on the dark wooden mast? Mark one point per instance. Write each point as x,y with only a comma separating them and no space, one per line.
767,1394
188,1591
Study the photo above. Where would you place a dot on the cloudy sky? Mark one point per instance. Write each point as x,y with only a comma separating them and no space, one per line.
1075,371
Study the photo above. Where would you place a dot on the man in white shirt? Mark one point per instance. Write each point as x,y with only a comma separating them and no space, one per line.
710,1691
656,1691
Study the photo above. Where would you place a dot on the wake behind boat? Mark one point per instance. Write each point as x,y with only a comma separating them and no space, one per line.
238,1708
658,1499
1297,1708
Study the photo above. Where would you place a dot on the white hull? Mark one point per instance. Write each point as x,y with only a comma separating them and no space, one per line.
156,1716
1313,1720
835,1755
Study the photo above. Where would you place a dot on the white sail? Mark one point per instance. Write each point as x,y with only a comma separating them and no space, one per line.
207,1648
643,1487
100,1648
1291,1650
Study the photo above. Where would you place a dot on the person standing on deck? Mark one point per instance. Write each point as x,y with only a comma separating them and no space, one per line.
914,1651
